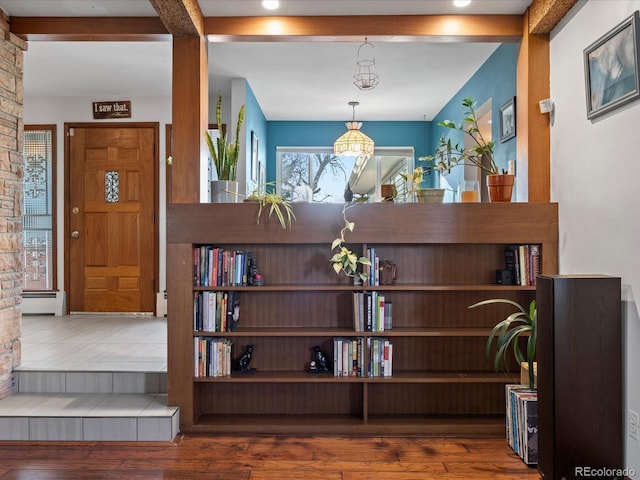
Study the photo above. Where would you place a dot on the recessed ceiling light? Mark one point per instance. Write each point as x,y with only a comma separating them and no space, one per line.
461,3
270,4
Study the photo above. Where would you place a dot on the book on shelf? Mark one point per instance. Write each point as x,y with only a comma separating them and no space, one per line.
218,267
522,421
212,357
373,273
372,312
523,260
216,311
348,357
380,357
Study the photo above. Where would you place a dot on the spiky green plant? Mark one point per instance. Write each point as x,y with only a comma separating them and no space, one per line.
507,333
224,154
264,195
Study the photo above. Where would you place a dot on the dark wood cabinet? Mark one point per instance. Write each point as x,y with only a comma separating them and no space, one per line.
580,414
446,255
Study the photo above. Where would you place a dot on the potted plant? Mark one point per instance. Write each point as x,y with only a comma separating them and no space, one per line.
414,187
448,155
507,333
274,202
225,158
344,260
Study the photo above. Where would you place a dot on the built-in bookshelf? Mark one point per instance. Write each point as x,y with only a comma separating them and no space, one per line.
438,380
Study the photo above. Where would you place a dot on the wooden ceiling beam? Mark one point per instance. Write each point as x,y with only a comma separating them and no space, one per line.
183,18
443,28
120,29
544,15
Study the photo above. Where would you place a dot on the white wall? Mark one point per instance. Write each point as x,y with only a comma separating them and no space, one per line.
595,178
61,110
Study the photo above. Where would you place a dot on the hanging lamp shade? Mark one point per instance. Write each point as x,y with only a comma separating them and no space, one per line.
365,76
353,142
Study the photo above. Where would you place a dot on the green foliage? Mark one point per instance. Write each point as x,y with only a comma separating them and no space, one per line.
507,333
225,155
344,260
449,155
275,203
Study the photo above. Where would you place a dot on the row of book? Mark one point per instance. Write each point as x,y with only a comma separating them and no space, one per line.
373,269
349,357
522,422
216,311
212,357
217,267
372,312
524,262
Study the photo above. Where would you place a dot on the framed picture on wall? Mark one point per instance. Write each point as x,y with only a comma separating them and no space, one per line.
508,120
611,68
261,177
254,156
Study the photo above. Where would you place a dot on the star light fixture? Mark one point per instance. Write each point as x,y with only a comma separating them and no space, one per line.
353,143
365,76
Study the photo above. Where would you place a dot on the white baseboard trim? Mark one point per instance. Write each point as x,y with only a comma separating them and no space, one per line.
161,304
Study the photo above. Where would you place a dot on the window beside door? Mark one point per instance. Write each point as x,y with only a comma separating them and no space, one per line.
38,219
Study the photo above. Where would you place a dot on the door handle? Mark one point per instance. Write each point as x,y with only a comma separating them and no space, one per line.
75,234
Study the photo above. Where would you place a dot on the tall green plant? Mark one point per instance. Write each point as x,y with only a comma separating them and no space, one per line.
507,333
224,154
449,155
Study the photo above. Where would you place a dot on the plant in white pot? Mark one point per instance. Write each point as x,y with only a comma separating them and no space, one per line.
414,187
448,155
225,158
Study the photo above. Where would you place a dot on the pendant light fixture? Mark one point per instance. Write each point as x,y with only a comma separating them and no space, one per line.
365,76
353,142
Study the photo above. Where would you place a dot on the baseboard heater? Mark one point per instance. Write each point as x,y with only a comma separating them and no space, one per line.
43,303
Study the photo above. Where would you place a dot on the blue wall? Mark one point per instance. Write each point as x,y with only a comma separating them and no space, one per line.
323,134
256,122
495,80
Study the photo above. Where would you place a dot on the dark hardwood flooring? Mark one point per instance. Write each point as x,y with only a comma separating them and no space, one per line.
267,458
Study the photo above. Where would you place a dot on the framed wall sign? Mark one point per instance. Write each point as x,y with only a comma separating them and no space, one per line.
611,68
508,120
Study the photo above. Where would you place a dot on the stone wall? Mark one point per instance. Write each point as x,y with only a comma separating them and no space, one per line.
11,142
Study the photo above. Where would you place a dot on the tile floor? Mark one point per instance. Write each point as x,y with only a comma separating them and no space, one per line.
91,377
131,343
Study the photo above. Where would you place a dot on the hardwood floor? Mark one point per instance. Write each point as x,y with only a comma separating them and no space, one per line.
267,458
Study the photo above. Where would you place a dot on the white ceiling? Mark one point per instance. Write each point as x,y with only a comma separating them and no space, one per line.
292,80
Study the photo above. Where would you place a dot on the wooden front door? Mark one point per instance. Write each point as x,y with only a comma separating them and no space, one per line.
111,231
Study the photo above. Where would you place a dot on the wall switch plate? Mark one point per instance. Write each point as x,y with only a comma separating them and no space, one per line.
633,425
511,167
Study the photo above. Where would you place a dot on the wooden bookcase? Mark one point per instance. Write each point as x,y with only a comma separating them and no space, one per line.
446,254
